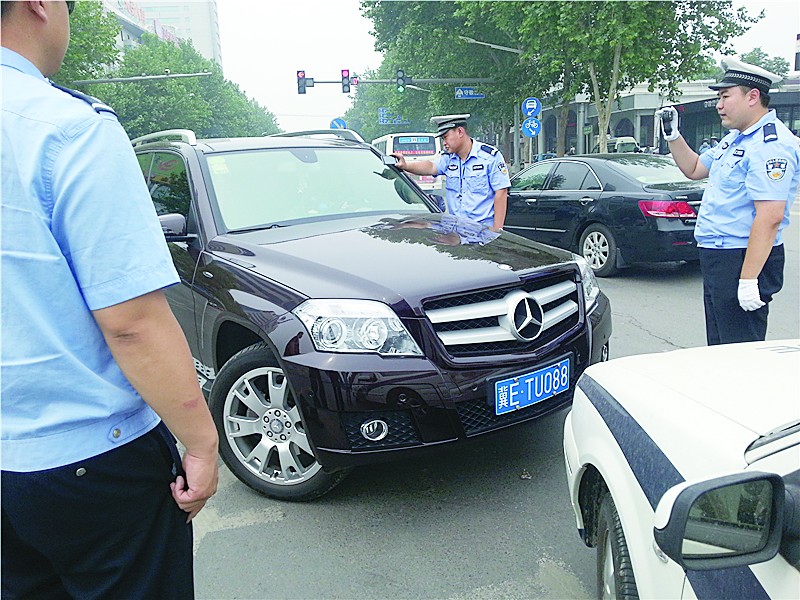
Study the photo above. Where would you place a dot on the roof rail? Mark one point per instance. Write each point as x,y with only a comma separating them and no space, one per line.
184,135
345,134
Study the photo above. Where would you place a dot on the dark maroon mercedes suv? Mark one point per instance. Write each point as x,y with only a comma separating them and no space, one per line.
337,318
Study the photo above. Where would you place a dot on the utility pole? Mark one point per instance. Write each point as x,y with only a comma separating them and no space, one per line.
166,75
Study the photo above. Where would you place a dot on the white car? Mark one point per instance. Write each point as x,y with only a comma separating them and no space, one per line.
684,472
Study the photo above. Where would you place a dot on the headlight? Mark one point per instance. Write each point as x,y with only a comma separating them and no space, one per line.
590,287
355,326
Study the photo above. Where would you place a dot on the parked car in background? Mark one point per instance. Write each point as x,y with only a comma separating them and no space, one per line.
619,144
689,486
612,209
543,156
337,318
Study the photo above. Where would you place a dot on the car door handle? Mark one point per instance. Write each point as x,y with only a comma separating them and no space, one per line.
530,200
585,200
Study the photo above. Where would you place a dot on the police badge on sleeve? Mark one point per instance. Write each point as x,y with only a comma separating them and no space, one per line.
776,168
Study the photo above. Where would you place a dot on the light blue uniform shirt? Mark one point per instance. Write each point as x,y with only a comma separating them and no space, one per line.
472,183
760,163
79,233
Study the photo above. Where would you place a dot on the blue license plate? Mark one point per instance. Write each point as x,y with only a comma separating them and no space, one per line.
525,390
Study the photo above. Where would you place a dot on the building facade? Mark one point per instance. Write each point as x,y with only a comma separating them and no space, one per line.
195,21
634,115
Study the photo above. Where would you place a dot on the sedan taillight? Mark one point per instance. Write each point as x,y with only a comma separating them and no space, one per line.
669,209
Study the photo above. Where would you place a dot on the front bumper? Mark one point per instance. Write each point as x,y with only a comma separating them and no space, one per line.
425,402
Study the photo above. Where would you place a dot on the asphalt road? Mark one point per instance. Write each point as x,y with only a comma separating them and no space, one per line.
486,521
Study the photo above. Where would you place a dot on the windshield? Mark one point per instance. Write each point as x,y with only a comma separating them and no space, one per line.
421,145
264,187
649,169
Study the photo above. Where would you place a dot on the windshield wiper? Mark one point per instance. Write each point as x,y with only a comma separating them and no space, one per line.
256,228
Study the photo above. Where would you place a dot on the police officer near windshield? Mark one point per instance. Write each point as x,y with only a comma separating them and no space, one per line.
477,176
753,179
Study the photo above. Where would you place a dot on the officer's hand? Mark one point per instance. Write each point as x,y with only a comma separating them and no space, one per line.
192,492
670,127
401,161
749,298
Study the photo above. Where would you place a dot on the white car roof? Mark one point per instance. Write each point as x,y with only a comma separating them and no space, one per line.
756,385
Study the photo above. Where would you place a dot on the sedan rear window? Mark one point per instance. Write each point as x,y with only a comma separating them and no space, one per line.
649,169
257,188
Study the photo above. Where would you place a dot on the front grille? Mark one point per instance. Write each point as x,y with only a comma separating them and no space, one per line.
478,324
401,429
477,416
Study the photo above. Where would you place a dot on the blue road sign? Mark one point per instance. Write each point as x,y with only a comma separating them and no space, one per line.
338,123
468,93
531,107
531,127
385,117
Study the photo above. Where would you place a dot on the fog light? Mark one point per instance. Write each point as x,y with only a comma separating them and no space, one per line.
374,430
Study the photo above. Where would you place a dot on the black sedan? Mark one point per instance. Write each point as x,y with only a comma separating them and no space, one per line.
613,209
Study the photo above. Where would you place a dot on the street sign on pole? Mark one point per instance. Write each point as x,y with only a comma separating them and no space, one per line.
531,107
468,93
531,127
338,123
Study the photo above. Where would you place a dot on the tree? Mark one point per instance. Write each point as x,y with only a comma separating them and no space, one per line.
92,45
210,105
606,47
777,64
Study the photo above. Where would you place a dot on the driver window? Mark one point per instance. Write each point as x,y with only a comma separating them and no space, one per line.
531,179
168,183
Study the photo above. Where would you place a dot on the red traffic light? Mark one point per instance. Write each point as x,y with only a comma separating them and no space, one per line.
301,74
345,73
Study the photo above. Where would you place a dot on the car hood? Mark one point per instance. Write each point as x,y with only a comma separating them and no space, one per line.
753,386
390,257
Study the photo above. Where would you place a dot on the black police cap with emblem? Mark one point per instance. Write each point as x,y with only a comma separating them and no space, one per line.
740,73
445,123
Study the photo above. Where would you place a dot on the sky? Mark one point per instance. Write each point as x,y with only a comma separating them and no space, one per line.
265,42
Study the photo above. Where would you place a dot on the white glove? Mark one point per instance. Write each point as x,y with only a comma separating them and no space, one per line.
669,114
749,298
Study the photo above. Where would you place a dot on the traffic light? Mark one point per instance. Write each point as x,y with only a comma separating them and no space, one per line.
401,80
346,81
301,82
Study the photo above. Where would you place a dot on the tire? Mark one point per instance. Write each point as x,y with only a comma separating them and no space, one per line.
599,248
615,579
261,436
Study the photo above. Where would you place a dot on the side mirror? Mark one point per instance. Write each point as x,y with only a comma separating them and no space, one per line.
174,227
730,521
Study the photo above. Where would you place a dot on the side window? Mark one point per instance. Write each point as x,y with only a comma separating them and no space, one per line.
591,182
144,164
531,179
568,176
169,185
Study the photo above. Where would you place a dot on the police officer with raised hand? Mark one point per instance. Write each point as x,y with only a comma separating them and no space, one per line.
96,500
753,179
477,176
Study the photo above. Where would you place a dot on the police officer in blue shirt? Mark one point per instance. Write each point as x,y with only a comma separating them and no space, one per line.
95,496
753,179
477,176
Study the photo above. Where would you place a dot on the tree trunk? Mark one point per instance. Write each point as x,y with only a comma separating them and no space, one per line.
604,108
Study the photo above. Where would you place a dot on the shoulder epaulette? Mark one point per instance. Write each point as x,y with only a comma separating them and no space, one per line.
770,133
96,105
490,149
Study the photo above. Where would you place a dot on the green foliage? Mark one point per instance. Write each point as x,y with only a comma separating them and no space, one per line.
598,47
777,64
210,105
92,45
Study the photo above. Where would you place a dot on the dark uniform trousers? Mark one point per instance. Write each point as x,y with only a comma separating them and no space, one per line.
726,321
106,527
